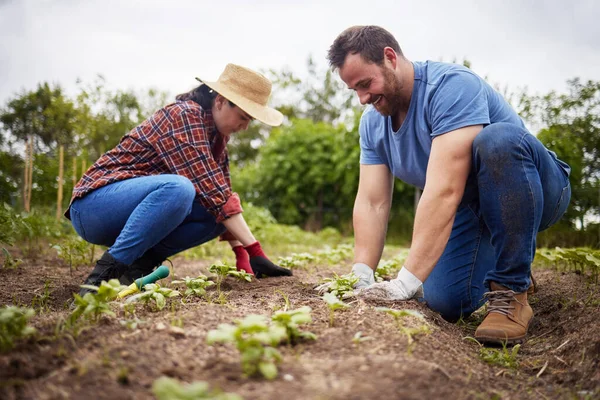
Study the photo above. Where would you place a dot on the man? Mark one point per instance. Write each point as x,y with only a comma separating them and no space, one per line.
488,184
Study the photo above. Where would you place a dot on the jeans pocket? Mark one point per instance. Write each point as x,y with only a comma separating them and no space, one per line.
561,207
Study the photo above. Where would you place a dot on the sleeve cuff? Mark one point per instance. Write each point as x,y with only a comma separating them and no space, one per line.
232,206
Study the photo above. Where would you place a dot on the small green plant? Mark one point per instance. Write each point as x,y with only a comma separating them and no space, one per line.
9,261
400,315
291,320
93,305
296,260
155,294
333,303
165,388
255,340
501,357
195,286
337,254
222,270
40,300
13,325
340,285
73,250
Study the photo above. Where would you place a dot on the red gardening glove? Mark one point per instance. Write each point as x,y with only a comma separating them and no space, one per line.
261,265
242,260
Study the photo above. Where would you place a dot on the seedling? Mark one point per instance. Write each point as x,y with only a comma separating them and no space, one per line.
295,260
338,254
13,325
154,293
73,250
255,340
222,270
93,305
195,286
340,286
399,316
291,320
165,388
9,261
334,304
40,300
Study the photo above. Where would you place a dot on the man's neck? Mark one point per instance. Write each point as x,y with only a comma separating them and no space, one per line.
408,82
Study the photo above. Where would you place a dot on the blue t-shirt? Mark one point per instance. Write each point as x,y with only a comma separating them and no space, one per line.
445,97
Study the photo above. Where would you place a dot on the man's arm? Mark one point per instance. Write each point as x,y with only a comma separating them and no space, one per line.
371,213
447,173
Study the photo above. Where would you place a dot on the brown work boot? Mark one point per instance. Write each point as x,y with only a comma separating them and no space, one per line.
507,319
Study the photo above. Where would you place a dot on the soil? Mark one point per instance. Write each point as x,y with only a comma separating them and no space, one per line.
561,358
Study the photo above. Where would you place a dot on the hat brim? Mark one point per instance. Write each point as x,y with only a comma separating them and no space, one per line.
264,114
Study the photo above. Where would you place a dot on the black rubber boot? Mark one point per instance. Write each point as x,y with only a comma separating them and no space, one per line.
140,267
106,268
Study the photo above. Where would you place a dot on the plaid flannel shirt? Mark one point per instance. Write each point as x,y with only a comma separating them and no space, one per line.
181,139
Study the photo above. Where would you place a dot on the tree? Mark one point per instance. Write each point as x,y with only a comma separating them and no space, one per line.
573,131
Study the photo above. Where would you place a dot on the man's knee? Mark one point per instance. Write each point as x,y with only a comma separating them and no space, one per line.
495,139
450,306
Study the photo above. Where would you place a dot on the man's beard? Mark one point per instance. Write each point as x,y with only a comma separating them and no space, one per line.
391,93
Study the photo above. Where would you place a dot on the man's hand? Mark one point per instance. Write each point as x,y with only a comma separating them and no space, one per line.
404,287
261,265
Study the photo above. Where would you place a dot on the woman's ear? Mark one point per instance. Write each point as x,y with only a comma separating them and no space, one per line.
219,101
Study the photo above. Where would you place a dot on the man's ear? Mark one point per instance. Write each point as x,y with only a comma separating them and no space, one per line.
390,56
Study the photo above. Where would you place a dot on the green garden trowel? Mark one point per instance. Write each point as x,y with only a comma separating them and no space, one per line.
160,273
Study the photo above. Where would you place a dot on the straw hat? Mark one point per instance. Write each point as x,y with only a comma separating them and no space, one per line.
249,91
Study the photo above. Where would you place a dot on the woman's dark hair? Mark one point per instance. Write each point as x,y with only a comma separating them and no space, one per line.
368,41
203,95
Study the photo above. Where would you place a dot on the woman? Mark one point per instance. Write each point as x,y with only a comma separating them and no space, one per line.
166,188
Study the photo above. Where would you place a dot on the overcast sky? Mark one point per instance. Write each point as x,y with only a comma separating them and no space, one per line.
164,44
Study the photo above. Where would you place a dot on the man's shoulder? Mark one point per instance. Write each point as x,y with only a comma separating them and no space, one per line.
436,72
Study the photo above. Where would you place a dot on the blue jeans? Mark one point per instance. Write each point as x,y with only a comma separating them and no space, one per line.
516,188
152,213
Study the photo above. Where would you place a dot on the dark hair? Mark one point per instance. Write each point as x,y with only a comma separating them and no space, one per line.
368,41
203,95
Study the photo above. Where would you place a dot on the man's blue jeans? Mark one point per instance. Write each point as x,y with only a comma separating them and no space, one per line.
516,189
133,216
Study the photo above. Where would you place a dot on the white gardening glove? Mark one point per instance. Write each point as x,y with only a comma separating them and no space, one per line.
404,287
365,275
362,271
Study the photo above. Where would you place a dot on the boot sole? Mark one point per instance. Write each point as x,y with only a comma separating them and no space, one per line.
502,342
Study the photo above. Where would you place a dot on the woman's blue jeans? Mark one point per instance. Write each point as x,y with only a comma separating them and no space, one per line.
133,216
516,189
